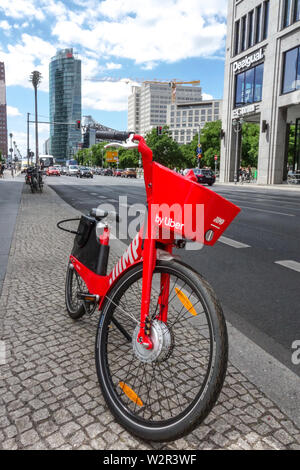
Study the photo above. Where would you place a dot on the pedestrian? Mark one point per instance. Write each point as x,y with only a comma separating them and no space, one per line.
1,170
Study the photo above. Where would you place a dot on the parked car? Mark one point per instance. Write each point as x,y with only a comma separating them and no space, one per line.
84,172
108,172
204,176
130,173
117,172
72,170
52,171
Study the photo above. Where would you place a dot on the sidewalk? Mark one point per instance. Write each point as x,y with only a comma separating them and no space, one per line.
49,394
284,186
10,197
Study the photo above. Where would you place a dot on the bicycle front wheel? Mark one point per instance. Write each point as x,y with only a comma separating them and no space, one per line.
163,393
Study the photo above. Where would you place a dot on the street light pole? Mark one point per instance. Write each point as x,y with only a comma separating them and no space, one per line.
35,79
11,154
28,149
237,127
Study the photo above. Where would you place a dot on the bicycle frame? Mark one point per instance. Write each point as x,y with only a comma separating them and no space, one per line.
143,249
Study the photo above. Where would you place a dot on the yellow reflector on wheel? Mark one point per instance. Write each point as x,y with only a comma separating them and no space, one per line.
130,393
185,301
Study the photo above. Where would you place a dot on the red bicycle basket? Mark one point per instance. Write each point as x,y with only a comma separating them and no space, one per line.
186,209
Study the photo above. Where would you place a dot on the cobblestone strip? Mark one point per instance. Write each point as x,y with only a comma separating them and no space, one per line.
49,394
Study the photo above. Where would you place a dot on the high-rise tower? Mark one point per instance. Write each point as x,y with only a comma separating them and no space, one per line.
65,104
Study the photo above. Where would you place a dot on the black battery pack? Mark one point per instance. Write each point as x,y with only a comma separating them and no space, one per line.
87,248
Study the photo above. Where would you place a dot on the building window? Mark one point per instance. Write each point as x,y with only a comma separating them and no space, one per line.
258,24
243,45
287,13
266,19
297,10
236,37
250,29
291,71
248,86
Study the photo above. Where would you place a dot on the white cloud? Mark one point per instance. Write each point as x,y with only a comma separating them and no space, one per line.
113,66
107,96
31,53
150,31
13,111
4,25
21,9
206,96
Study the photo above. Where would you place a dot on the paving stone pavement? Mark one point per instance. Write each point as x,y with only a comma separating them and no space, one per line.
49,394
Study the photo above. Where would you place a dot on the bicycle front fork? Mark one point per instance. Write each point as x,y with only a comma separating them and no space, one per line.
149,262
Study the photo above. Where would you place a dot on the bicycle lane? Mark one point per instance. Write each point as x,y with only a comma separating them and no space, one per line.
50,398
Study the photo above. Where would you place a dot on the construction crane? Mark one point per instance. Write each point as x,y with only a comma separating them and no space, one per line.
172,83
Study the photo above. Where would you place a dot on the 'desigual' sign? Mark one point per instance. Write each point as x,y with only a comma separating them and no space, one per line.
247,61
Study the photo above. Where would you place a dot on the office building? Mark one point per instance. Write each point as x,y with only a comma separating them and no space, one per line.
262,85
185,119
3,114
148,104
64,104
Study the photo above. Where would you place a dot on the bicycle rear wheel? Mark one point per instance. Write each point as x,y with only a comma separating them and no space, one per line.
74,285
164,393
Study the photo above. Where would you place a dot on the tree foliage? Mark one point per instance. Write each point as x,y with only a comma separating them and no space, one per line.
169,153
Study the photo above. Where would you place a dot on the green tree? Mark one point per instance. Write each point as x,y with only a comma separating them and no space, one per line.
165,150
250,141
128,158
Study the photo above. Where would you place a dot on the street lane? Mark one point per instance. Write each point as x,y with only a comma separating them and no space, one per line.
260,297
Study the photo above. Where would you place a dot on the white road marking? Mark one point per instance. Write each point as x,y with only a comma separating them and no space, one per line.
265,210
289,263
233,243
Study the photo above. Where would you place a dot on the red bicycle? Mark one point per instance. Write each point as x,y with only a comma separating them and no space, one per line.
161,343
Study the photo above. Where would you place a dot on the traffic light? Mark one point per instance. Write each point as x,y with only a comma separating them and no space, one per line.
78,124
159,130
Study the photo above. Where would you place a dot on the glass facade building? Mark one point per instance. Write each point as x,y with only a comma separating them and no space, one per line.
64,104
262,87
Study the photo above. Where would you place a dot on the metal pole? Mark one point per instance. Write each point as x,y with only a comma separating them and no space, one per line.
28,150
36,129
199,159
11,155
237,126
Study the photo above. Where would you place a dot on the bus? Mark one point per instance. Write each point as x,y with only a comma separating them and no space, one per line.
46,160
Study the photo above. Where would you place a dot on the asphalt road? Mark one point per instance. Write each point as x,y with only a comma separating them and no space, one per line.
255,270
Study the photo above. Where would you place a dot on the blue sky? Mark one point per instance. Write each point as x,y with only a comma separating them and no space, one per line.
123,39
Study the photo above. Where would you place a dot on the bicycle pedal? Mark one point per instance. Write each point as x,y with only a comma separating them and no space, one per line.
90,298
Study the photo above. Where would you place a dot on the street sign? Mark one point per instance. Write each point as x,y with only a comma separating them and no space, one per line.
199,151
112,156
216,157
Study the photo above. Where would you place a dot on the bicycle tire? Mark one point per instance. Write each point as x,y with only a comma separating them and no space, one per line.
111,378
74,307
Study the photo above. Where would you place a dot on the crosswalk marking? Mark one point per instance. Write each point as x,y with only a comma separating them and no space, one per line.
291,264
233,243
